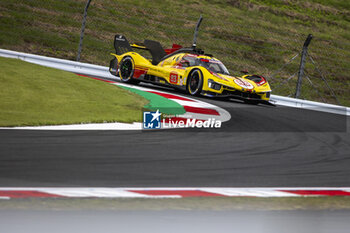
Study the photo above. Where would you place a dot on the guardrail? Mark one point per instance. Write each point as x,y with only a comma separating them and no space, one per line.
102,71
62,64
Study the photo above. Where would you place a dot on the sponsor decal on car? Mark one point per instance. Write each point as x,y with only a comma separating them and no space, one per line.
243,83
120,38
173,78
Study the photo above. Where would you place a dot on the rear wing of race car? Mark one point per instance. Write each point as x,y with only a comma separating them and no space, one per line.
122,45
174,48
156,49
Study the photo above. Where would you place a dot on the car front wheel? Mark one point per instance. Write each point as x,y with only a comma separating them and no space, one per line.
195,82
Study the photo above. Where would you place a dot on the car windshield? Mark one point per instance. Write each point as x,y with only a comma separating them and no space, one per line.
214,66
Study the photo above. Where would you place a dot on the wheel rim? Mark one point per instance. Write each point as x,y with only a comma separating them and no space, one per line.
194,82
126,69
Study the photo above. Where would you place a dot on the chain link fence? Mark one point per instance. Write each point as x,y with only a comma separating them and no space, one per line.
263,37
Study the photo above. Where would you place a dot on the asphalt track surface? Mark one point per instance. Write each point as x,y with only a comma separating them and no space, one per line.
261,146
23,221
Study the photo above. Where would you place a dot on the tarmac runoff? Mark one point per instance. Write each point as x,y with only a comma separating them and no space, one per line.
174,221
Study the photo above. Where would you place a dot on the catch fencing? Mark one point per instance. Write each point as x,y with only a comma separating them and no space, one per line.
262,38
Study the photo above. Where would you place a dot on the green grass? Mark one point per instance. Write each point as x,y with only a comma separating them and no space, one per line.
189,203
36,95
157,102
258,35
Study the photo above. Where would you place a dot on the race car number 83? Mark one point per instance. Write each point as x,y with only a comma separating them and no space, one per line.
173,78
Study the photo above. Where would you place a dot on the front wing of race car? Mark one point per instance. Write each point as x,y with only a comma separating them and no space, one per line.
247,87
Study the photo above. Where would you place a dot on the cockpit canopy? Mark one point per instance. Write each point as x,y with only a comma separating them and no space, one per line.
212,65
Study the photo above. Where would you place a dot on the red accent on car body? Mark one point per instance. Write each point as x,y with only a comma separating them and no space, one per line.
263,81
173,49
138,72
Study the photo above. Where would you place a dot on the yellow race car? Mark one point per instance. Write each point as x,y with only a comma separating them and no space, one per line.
189,69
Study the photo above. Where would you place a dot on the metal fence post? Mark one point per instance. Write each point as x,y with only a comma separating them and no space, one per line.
302,65
194,44
82,30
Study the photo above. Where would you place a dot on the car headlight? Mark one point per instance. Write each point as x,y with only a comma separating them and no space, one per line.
213,85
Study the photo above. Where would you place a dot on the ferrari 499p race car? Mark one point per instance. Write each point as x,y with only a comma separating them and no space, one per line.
189,69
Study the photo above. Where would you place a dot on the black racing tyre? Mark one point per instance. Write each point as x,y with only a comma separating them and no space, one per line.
195,82
126,70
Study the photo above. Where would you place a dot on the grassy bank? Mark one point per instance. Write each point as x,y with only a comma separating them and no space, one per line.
190,203
36,95
258,35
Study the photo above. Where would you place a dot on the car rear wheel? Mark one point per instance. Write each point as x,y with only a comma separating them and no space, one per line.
195,82
126,70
